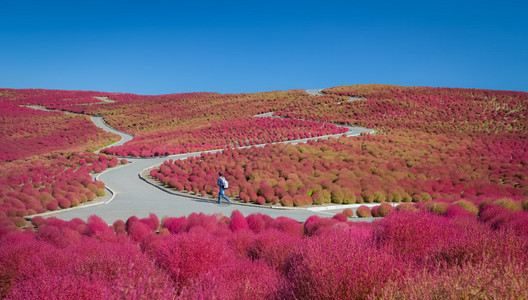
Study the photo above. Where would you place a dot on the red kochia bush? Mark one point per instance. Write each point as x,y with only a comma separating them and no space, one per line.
175,225
38,221
136,229
119,227
374,211
413,233
60,233
188,255
62,273
97,227
290,226
341,217
240,279
315,225
152,222
238,222
256,222
273,247
455,211
64,203
402,255
351,270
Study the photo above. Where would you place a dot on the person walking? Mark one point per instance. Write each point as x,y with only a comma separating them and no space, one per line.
222,183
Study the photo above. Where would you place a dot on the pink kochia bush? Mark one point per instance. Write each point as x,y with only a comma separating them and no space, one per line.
416,255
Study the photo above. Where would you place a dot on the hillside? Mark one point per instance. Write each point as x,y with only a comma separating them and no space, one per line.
443,172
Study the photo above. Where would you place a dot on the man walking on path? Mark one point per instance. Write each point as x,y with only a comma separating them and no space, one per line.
222,183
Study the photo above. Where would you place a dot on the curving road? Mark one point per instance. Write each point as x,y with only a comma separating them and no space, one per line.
134,197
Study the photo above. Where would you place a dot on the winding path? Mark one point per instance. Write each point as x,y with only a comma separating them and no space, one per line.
132,196
319,92
125,137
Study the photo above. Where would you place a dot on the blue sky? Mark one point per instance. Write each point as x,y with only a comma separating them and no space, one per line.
158,47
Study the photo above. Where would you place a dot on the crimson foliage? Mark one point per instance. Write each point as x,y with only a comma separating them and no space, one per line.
405,254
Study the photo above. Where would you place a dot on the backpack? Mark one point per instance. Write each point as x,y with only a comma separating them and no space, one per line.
225,183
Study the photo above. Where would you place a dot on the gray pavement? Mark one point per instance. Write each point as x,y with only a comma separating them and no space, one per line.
319,92
125,137
134,197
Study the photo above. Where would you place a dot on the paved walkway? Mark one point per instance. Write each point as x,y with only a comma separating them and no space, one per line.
125,137
134,197
318,92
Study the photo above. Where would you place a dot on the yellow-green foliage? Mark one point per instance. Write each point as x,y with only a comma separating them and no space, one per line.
406,207
509,204
468,206
438,208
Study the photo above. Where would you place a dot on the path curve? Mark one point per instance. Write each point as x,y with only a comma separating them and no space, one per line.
319,92
125,137
132,196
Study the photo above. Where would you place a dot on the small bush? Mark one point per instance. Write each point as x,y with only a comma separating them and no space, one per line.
384,209
64,203
509,204
288,225
318,199
138,230
456,212
337,196
286,201
175,225
38,221
52,206
468,206
375,211
261,200
363,212
119,227
273,247
341,217
406,207
238,222
348,212
19,222
438,208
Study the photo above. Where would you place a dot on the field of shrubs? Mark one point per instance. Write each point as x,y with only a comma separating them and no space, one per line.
27,132
45,159
189,122
355,170
447,170
408,254
222,135
435,144
48,183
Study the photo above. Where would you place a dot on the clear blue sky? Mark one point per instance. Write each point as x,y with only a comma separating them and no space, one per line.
157,47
